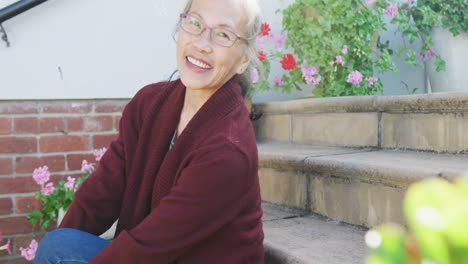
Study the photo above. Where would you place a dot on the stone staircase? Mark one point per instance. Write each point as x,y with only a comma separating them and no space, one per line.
344,164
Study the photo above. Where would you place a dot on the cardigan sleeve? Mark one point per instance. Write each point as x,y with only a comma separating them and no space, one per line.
97,202
207,196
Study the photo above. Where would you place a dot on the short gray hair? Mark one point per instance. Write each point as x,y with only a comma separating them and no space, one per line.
254,21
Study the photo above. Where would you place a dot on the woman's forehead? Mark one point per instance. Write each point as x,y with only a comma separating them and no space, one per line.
219,13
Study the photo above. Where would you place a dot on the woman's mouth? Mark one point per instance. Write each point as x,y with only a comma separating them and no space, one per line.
198,63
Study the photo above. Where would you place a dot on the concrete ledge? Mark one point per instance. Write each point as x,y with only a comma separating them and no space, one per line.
454,101
295,237
358,186
431,122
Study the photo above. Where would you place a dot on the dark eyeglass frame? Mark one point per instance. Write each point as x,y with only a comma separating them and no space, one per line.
205,27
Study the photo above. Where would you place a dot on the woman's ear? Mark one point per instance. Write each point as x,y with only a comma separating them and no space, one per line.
244,64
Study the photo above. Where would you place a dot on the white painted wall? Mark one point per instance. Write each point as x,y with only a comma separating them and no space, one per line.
109,49
88,49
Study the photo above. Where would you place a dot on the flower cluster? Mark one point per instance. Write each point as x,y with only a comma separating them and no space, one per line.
337,48
54,198
60,196
308,74
30,252
7,246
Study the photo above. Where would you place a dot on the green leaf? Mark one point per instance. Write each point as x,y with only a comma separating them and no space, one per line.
440,64
410,57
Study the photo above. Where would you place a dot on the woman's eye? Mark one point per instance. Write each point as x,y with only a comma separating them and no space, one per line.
195,23
223,34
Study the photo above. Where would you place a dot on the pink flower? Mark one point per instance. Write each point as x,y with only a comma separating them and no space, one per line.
278,40
344,50
370,2
308,74
391,10
70,183
277,81
339,60
316,80
48,189
30,252
6,247
355,77
372,80
261,41
41,175
430,54
254,75
98,153
87,167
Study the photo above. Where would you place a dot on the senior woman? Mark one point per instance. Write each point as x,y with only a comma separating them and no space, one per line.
182,175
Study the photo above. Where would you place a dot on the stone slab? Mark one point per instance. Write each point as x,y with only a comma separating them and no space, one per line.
312,239
338,129
441,132
284,187
387,167
273,128
358,186
436,102
355,202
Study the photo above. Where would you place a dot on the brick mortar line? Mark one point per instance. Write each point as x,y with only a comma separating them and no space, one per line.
41,154
379,130
12,215
29,174
15,195
49,115
39,135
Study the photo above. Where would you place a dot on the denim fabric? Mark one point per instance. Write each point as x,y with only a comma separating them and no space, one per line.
68,246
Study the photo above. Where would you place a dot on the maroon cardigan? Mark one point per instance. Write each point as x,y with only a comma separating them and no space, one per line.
196,203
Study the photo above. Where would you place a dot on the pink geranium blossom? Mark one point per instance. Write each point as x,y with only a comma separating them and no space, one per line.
41,175
430,54
344,50
310,74
30,252
261,41
98,153
70,183
87,167
372,80
391,10
48,188
355,77
7,246
370,2
278,40
339,60
277,81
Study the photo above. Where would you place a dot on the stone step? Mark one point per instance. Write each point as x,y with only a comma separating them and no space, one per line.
296,237
429,122
360,186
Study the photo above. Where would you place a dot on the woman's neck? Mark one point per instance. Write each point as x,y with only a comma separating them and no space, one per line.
193,101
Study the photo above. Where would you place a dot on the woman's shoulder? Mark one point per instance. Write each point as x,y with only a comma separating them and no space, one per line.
153,89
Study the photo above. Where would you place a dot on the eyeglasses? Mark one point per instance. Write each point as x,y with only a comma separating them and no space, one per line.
221,36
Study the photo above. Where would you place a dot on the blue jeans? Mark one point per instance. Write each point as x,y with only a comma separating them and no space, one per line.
68,246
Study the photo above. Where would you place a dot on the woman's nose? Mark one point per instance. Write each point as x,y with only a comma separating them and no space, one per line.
203,41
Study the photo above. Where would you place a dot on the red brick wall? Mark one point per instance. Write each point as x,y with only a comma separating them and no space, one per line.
59,134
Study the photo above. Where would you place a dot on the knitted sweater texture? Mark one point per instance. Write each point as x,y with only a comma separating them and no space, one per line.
198,202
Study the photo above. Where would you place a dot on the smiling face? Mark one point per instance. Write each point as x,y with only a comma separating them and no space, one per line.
203,64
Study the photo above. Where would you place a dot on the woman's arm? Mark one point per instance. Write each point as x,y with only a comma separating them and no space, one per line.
97,202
